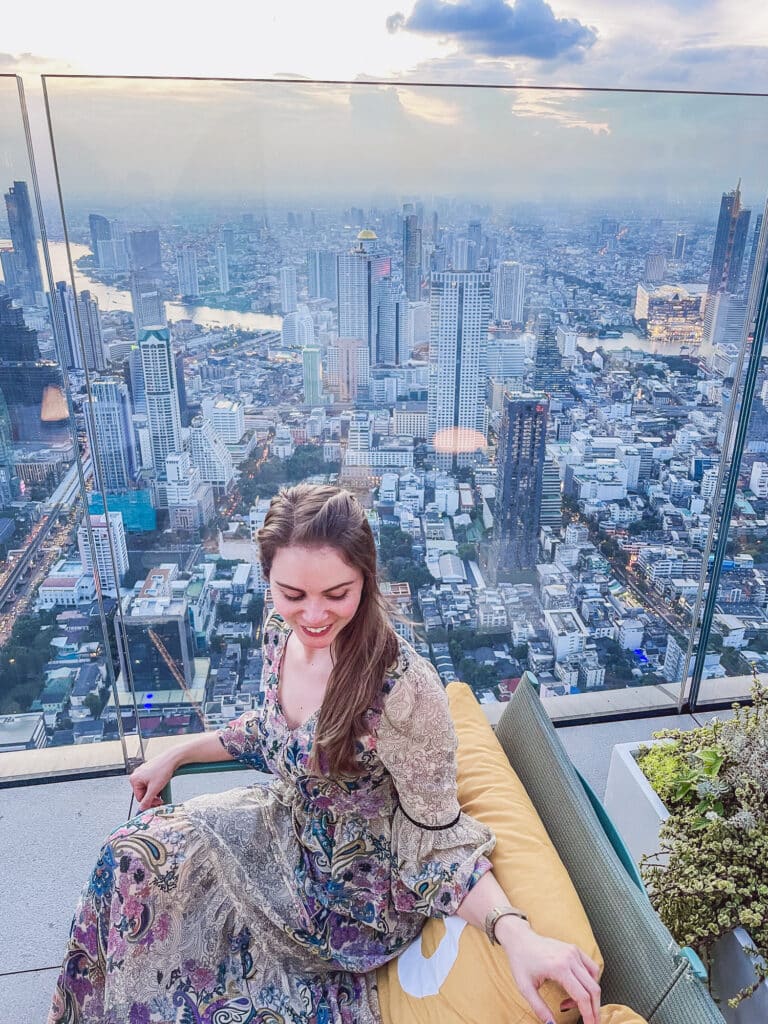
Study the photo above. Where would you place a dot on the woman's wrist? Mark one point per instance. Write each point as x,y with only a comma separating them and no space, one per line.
510,929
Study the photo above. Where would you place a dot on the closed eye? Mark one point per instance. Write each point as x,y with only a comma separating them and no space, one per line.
300,597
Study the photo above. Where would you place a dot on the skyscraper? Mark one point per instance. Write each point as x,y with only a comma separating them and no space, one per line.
349,369
98,559
392,323
288,294
24,239
360,273
147,301
77,328
521,458
186,268
222,266
209,455
100,232
112,251
110,431
509,292
460,314
678,251
144,251
134,376
655,267
730,241
549,374
162,397
313,376
412,256
321,274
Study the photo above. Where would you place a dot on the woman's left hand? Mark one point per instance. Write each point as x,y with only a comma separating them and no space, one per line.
534,959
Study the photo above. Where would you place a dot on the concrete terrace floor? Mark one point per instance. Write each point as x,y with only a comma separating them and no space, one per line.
50,835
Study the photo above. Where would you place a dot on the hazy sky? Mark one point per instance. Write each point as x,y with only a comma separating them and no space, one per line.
171,140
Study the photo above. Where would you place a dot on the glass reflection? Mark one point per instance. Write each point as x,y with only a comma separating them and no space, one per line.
56,668
513,330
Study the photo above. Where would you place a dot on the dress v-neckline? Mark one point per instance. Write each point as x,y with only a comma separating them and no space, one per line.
286,631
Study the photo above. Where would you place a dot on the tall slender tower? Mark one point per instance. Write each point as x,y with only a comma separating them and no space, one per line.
77,327
222,266
519,486
24,238
313,375
360,273
186,266
509,292
730,241
162,396
288,293
460,314
412,257
117,465
392,323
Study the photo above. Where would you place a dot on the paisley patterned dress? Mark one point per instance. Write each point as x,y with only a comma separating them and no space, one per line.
274,904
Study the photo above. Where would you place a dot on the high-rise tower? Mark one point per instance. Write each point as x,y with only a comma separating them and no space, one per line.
730,241
288,293
110,421
24,239
162,397
460,314
77,328
521,458
186,266
360,273
509,292
412,256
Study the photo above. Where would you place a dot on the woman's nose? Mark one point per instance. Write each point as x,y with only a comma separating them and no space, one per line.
314,614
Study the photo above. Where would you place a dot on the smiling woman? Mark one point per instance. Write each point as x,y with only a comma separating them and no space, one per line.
277,902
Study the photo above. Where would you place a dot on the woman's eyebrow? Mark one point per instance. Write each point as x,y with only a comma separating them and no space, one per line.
337,586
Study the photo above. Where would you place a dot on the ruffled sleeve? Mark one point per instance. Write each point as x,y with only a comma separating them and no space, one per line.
241,738
438,851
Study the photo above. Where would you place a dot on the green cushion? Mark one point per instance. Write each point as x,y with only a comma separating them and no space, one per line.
643,967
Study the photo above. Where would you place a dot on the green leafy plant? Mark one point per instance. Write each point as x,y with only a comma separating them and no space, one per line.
710,874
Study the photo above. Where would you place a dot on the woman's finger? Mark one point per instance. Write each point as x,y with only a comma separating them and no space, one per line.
590,964
576,990
583,974
530,992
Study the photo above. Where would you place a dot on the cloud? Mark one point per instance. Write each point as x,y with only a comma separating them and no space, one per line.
495,28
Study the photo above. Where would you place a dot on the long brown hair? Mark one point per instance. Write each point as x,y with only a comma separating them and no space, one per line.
318,516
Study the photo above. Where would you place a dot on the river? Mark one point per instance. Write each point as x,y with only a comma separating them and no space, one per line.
111,298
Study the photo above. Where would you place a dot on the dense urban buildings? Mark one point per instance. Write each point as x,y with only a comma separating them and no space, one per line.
530,402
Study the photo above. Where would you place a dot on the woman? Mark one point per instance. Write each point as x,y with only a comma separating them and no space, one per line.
276,903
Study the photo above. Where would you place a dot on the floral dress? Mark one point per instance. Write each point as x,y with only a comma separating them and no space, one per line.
274,904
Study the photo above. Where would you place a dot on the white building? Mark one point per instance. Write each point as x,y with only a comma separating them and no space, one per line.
461,307
98,559
509,292
288,295
209,455
186,268
116,461
227,416
162,396
567,633
222,266
190,499
758,480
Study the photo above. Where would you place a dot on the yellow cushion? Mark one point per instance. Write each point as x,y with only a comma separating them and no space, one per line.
470,980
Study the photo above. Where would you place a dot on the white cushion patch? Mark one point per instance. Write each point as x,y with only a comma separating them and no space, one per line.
419,976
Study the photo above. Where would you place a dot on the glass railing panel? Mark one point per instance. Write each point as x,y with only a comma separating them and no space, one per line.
56,663
283,261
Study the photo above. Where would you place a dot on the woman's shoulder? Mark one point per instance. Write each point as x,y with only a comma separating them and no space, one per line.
411,679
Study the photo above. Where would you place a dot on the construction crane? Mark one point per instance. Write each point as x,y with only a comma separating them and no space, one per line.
174,670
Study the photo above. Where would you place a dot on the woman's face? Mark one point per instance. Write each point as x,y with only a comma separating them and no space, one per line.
316,592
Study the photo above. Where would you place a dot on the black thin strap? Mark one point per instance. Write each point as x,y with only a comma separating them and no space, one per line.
431,828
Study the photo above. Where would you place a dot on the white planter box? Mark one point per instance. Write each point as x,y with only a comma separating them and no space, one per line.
638,814
631,803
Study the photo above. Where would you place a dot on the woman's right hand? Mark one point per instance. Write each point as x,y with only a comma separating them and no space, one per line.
149,779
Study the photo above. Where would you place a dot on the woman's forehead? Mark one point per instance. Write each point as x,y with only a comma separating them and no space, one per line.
322,565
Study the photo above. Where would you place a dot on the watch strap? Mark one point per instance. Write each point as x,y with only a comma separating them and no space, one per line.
493,915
